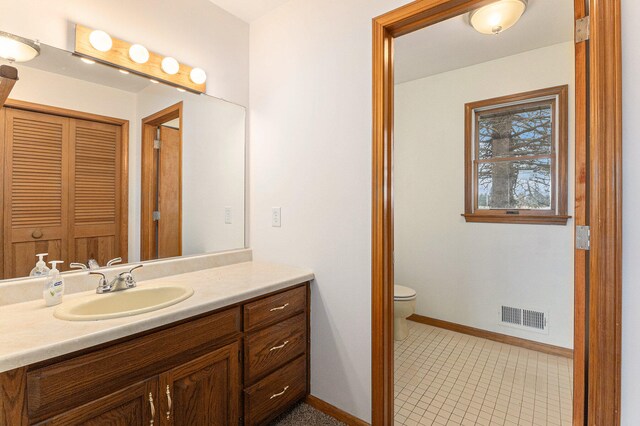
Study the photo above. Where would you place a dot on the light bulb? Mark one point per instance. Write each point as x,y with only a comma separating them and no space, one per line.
153,81
180,89
138,53
170,65
497,16
198,76
88,61
100,40
124,71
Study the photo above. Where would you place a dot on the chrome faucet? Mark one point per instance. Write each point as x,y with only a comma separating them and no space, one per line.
122,281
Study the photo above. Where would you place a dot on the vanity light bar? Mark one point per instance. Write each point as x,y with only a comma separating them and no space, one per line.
118,55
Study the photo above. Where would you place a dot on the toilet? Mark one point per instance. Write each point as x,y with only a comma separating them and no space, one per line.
404,305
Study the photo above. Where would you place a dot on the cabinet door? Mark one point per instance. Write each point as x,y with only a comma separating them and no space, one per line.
35,190
202,392
135,405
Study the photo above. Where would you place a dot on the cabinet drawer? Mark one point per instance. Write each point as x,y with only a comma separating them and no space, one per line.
274,308
272,347
276,392
67,384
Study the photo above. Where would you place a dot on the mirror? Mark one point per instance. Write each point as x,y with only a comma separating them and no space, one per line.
100,164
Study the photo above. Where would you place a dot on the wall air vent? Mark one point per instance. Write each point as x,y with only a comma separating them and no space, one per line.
525,319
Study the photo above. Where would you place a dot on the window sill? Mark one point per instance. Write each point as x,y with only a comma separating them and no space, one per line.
524,219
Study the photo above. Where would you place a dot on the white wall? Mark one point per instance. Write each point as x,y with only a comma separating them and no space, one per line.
631,205
463,272
311,155
193,31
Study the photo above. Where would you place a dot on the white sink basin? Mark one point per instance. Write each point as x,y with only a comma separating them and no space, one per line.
122,303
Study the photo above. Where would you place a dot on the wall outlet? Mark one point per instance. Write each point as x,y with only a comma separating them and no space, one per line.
276,217
227,215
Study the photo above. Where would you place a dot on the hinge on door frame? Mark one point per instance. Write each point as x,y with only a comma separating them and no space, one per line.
583,237
156,141
582,29
155,215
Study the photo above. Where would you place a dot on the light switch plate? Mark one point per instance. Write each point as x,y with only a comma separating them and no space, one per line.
276,217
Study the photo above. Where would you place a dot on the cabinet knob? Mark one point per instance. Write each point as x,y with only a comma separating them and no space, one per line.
36,234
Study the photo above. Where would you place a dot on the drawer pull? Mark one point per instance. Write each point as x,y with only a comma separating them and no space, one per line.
279,308
37,234
279,347
275,395
169,403
153,409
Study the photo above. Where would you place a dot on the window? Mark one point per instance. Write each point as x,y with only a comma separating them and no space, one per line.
516,158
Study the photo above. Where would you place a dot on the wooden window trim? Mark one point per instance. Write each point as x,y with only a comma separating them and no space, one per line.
557,215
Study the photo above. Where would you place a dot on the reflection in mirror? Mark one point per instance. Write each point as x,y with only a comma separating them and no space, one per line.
101,164
484,311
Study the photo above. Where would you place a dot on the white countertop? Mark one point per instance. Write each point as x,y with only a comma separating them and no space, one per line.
30,333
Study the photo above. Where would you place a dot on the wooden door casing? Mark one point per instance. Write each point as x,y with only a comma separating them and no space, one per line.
598,199
203,392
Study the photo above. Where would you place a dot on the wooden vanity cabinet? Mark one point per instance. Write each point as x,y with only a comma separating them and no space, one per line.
245,364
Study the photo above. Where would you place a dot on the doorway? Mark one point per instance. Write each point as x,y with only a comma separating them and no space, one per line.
161,223
597,298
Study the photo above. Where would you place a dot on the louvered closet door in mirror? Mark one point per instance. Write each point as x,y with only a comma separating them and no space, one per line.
35,193
95,192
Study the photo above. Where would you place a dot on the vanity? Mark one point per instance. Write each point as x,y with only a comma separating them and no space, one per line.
236,352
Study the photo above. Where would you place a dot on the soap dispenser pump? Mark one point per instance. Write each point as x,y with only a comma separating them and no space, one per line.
54,286
41,269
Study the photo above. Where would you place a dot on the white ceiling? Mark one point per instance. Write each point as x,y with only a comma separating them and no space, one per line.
248,10
454,44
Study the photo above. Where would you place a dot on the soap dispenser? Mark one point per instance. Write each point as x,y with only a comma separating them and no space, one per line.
54,286
41,269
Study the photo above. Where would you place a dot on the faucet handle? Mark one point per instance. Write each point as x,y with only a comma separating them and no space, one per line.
114,261
77,265
102,284
127,277
135,267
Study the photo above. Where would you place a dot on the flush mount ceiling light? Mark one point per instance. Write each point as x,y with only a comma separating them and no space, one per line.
100,40
198,76
138,54
170,65
498,16
17,49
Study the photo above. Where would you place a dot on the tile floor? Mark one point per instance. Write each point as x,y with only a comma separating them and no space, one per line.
447,378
